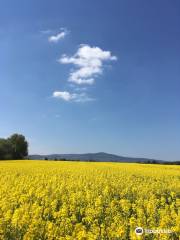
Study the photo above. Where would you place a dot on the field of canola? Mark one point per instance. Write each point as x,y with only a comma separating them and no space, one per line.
75,200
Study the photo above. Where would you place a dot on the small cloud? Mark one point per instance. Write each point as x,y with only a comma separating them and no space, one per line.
66,96
88,62
72,97
56,38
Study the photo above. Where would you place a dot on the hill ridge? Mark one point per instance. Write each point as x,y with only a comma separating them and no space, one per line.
97,157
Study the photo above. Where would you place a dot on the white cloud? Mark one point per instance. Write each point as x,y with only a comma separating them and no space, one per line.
56,38
88,62
72,97
63,95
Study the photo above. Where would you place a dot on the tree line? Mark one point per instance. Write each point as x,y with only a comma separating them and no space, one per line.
13,147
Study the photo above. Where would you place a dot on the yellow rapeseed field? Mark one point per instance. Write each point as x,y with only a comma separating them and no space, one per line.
76,200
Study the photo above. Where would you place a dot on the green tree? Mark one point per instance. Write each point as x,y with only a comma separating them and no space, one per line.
19,146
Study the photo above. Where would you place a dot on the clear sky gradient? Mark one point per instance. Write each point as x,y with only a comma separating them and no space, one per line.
131,105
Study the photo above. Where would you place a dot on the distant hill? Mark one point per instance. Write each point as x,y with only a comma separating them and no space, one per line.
96,157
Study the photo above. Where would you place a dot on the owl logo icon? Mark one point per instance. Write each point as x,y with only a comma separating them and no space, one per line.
139,231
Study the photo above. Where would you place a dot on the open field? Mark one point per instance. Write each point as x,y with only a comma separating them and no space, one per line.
76,200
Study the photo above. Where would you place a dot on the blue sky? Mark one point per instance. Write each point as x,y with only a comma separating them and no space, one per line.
90,76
